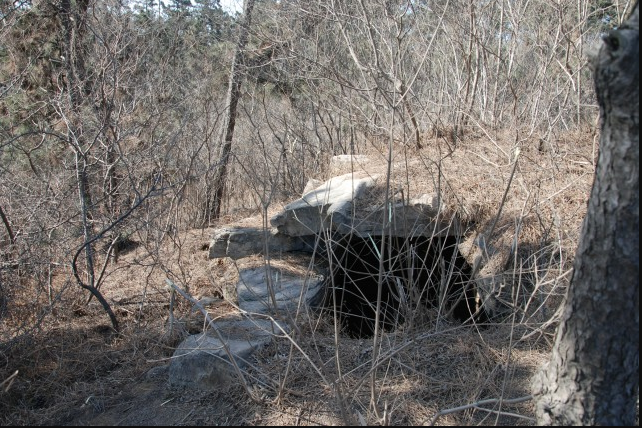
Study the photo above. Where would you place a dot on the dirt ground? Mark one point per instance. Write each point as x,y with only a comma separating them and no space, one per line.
125,376
76,371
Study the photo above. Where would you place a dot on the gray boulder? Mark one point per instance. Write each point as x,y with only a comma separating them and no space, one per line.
239,242
320,209
203,360
286,290
420,217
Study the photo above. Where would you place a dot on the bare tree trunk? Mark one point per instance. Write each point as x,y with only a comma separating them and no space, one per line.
500,61
7,225
233,95
592,376
71,16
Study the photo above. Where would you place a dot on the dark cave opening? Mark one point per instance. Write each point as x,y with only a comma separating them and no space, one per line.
417,272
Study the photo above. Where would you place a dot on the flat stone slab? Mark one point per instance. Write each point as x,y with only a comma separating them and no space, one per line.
284,288
338,206
239,242
202,360
420,217
318,210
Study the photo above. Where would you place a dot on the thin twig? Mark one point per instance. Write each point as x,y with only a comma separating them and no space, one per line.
478,404
8,381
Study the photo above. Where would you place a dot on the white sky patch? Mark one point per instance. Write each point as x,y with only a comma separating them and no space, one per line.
229,6
232,6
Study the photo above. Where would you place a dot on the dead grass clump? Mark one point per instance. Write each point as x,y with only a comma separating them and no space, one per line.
417,374
68,358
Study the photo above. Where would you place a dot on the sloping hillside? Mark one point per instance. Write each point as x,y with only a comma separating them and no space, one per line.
79,372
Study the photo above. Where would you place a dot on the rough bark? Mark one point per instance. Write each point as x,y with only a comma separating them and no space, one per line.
592,376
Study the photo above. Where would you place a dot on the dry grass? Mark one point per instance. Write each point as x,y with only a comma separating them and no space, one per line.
73,370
